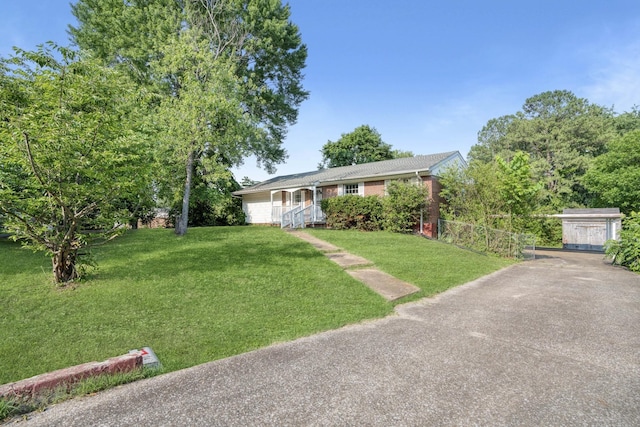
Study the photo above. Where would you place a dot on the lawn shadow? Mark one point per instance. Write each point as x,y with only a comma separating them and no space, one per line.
232,249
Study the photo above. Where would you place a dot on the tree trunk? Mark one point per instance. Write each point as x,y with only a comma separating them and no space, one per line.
64,264
183,219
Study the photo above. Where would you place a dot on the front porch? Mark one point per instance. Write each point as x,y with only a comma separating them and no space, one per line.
297,207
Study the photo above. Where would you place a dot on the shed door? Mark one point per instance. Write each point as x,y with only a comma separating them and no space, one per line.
586,236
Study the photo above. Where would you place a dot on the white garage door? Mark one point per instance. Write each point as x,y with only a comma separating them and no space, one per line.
257,208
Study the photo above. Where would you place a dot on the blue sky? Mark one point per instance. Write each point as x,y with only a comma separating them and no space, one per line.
427,75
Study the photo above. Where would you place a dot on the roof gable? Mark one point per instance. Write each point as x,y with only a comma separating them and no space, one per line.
365,171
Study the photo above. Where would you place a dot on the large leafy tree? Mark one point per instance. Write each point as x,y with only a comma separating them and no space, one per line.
498,194
227,73
472,195
614,177
72,149
210,203
205,125
517,190
363,145
627,121
562,134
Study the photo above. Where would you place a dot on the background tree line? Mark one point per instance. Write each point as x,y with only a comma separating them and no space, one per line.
559,151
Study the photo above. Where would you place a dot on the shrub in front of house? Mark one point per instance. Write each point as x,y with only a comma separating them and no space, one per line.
402,206
353,212
626,251
398,211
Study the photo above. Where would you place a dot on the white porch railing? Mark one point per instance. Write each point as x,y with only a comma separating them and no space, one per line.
276,214
319,215
288,217
299,216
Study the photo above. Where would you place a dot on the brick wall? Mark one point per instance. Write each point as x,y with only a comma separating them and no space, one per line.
430,221
329,191
374,188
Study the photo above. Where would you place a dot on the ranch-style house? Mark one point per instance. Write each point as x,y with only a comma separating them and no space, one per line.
294,200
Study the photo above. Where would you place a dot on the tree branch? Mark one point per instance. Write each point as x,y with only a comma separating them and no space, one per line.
65,209
30,230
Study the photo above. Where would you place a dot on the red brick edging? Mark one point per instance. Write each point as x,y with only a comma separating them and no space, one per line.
66,376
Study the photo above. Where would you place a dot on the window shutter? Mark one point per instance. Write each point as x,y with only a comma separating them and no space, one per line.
361,189
340,190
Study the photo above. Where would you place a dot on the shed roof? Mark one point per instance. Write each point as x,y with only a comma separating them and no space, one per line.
592,211
421,163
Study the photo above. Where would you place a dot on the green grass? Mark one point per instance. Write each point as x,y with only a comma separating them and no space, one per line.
213,293
431,265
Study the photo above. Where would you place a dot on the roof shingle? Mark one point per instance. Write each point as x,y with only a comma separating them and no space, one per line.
420,163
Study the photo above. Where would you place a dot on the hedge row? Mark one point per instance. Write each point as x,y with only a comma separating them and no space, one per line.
399,211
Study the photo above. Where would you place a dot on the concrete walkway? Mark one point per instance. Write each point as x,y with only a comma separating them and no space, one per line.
362,269
553,341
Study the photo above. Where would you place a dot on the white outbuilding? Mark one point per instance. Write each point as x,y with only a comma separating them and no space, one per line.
589,229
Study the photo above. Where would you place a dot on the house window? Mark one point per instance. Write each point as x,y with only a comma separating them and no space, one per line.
352,189
297,197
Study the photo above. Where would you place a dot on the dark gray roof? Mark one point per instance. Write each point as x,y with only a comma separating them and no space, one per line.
421,163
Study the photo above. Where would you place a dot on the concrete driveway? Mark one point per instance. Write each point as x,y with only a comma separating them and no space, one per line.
548,342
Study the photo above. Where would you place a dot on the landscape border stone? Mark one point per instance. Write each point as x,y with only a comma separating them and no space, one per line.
51,380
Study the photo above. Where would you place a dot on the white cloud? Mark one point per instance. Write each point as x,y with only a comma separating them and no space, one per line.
454,123
615,77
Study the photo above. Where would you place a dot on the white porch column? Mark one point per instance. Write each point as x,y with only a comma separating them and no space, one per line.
315,201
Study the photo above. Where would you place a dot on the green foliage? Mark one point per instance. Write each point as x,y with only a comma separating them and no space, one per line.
486,240
627,121
496,195
247,182
400,154
211,203
205,122
73,148
517,189
626,251
473,195
560,132
402,206
398,211
353,212
227,77
614,177
363,145
8,407
548,230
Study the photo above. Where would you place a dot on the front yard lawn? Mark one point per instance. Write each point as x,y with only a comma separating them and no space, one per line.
431,265
213,293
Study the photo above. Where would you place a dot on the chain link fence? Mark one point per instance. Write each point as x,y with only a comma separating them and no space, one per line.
483,239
